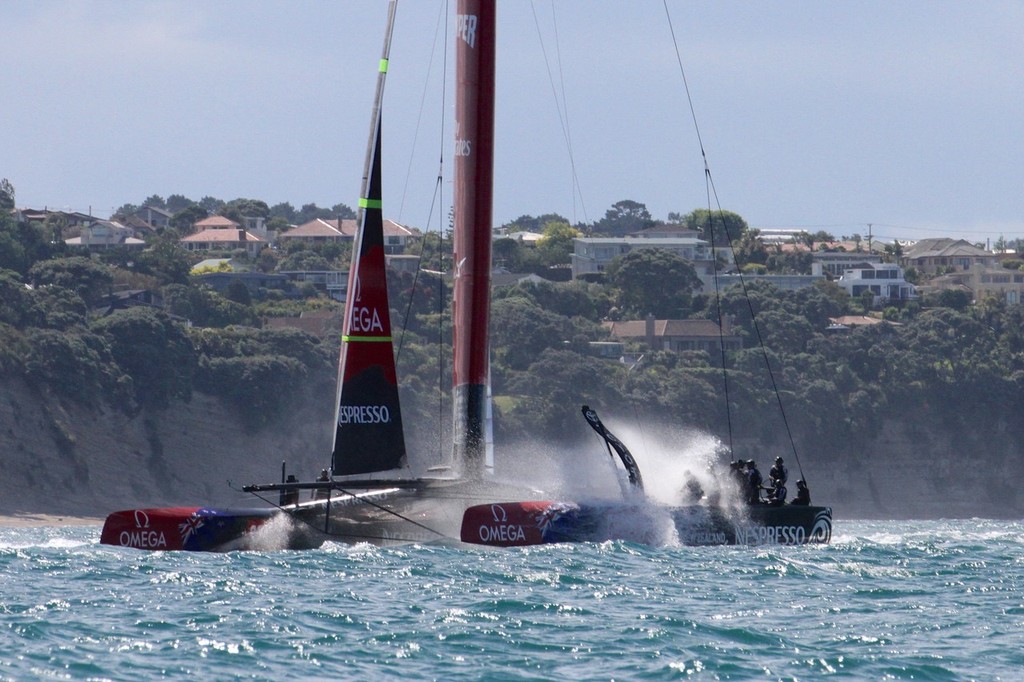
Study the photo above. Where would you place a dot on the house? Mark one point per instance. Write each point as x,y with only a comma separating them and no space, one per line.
320,231
333,282
592,255
319,323
220,239
128,298
106,234
402,262
152,217
501,278
782,282
835,262
884,280
666,232
983,282
68,219
523,237
676,335
253,281
215,222
938,256
316,231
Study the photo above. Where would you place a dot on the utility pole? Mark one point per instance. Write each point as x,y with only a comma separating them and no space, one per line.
869,238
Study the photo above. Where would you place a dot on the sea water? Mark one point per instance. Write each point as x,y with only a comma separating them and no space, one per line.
937,600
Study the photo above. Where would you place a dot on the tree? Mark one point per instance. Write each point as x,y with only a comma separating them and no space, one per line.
750,249
156,201
204,307
556,246
721,228
153,350
57,308
177,202
529,223
90,279
183,220
507,253
343,211
521,330
6,196
653,281
14,299
124,211
283,210
305,259
75,365
165,259
311,212
239,293
211,204
237,209
624,217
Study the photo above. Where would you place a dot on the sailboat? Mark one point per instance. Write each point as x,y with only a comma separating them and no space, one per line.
370,494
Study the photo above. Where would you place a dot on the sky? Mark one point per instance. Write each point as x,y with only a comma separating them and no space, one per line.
905,119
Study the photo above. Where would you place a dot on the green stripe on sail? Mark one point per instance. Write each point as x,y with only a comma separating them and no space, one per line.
383,66
370,203
374,339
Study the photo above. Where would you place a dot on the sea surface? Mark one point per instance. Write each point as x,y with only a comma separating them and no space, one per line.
936,600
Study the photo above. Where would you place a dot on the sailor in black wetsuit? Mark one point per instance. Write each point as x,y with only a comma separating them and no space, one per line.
778,475
803,495
754,481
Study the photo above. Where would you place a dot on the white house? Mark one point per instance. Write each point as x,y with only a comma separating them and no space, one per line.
884,280
592,255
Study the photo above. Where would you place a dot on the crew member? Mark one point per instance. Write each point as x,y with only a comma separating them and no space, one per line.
693,491
322,493
777,495
803,495
754,481
778,474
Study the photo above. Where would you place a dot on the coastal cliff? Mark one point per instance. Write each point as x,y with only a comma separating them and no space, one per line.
64,458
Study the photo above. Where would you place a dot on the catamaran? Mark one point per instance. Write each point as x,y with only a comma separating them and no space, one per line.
369,493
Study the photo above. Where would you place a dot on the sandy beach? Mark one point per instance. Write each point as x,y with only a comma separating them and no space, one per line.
35,520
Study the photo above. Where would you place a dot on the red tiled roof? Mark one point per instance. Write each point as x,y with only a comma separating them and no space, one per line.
220,236
317,227
215,222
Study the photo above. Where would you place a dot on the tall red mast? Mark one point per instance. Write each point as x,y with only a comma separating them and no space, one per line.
474,173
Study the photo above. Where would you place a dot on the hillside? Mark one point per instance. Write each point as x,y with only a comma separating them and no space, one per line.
66,459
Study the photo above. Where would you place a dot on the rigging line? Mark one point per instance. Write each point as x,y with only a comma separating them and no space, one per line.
560,105
423,99
577,190
710,183
709,190
718,308
384,509
757,330
686,86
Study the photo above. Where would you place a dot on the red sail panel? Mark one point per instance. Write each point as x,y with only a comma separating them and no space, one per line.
369,435
474,171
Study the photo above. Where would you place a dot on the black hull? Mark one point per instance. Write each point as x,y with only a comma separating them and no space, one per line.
755,525
512,524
